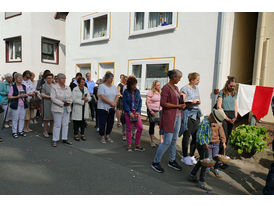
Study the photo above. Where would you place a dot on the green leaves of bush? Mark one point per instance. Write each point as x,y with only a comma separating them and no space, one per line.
249,138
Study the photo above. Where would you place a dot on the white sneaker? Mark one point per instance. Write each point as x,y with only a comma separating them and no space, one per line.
187,160
6,126
193,160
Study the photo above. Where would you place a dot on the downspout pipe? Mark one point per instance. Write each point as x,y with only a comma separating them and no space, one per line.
259,49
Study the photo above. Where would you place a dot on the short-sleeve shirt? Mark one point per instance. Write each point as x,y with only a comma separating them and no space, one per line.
154,100
20,100
108,92
228,101
191,94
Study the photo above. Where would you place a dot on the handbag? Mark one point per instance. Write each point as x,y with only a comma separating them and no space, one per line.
135,118
35,102
156,118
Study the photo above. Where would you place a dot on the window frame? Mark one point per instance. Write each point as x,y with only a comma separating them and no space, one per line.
7,40
144,62
19,14
99,69
91,17
77,68
147,30
57,42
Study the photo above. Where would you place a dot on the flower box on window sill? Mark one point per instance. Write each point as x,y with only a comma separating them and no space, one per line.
152,30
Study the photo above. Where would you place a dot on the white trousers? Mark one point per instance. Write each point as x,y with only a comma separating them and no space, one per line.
61,120
9,117
18,118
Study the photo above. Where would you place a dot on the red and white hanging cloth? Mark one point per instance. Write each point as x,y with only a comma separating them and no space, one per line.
254,98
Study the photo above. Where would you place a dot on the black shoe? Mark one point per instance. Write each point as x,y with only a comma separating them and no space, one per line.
175,165
1,139
157,167
23,134
50,133
223,166
15,135
192,178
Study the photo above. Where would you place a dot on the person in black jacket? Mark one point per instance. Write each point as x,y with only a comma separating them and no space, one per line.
269,187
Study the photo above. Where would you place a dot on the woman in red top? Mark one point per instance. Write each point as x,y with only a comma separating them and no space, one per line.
170,121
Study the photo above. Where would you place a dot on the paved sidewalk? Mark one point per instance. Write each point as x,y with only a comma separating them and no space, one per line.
29,165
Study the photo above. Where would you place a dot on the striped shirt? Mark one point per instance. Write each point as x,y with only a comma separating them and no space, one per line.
204,134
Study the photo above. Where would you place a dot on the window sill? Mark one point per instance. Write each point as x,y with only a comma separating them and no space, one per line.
95,39
17,61
49,62
152,30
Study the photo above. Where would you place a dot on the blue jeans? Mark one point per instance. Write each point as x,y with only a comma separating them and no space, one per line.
170,140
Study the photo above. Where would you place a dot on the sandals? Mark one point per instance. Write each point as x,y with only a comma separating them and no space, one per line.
15,135
67,142
109,140
76,138
23,134
103,141
83,137
129,148
119,124
54,144
139,148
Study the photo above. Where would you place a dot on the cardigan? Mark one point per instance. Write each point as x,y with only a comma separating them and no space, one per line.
78,104
58,96
168,115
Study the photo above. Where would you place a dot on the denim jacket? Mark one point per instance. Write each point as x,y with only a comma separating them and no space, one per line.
128,102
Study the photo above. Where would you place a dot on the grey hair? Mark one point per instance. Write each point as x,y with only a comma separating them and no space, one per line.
17,75
7,75
60,75
107,76
174,73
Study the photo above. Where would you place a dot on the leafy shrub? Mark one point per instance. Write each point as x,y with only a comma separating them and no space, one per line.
249,139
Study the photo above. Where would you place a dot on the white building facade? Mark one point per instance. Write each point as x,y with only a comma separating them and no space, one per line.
144,44
31,41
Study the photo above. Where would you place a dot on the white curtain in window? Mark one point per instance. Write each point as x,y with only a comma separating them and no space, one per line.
17,45
87,29
10,49
47,48
139,21
154,19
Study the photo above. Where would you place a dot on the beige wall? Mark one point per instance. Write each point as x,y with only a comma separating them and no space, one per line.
269,73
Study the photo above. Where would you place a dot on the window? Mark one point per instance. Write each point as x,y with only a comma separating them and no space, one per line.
105,67
137,72
156,71
13,49
148,70
146,22
50,51
83,68
95,27
9,15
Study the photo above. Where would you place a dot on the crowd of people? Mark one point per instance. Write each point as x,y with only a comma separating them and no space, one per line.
176,112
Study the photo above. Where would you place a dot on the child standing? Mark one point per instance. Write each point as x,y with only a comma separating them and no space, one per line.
210,134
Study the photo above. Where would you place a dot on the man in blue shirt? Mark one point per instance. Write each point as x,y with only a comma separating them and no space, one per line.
90,85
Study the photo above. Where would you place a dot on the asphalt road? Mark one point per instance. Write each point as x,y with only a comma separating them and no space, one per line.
30,166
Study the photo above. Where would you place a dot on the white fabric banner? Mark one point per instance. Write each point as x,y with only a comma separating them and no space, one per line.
245,98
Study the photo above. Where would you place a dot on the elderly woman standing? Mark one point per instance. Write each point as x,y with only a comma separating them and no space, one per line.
132,104
170,121
61,98
80,110
17,96
154,109
4,91
46,104
108,97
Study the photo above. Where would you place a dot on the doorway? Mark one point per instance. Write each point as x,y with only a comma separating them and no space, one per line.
243,46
